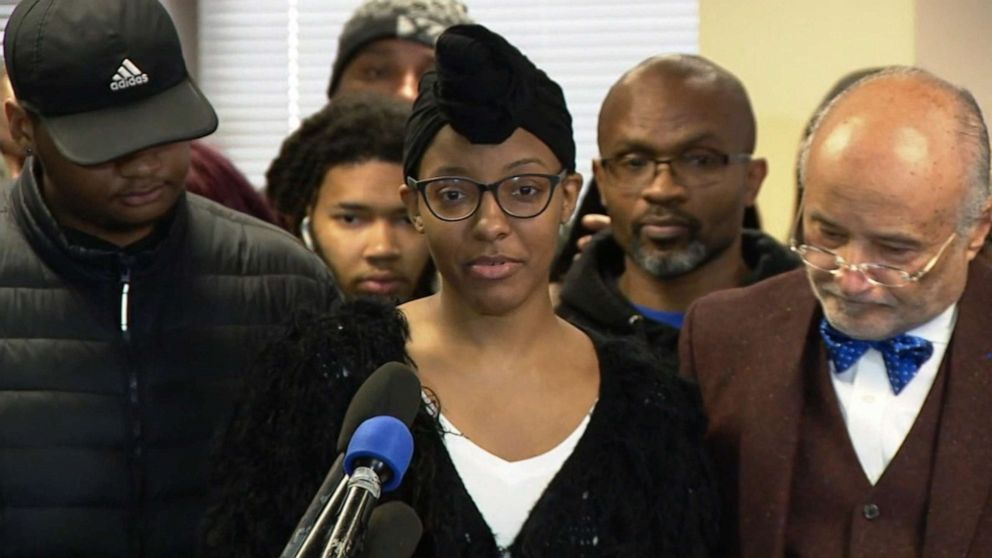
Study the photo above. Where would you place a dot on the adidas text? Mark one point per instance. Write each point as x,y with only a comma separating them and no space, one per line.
117,85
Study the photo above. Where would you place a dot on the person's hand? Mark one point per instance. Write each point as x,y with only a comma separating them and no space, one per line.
593,222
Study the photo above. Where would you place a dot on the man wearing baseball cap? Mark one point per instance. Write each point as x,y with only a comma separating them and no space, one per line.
128,308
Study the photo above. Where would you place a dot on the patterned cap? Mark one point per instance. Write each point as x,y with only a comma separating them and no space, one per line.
420,21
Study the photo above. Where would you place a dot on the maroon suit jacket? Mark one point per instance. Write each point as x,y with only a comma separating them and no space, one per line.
744,347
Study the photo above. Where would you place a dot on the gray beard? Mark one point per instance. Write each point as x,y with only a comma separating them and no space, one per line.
670,265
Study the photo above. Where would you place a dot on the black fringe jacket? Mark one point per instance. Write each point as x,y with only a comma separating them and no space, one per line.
638,483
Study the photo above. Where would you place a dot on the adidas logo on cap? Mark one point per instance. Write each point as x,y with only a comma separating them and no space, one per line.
128,75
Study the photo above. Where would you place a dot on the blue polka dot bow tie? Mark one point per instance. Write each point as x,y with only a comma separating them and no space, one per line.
903,354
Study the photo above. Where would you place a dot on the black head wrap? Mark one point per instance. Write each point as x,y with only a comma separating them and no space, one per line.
485,89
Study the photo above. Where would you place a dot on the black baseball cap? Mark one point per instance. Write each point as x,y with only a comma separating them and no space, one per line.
106,77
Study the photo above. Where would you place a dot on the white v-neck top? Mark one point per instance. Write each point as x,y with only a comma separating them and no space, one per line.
505,491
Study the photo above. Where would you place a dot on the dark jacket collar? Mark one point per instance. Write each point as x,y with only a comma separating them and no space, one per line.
80,256
764,256
591,290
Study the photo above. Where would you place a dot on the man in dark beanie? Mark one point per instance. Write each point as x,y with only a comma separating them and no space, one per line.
128,308
388,44
384,48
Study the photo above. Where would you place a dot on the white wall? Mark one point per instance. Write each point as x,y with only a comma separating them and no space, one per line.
184,15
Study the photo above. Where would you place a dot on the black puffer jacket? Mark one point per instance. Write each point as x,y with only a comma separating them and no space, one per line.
105,433
591,297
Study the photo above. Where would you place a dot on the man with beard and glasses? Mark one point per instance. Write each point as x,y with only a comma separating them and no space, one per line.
850,402
676,175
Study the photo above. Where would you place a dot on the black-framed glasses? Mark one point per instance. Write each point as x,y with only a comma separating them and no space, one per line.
882,275
453,198
691,168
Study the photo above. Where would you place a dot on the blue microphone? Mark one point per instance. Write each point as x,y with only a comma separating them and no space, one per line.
377,458
392,390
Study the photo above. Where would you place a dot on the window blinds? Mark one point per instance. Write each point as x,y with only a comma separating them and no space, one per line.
265,64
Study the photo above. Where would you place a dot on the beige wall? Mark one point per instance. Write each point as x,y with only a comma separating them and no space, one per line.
954,39
788,53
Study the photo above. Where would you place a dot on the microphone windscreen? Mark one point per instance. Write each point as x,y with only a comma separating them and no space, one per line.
383,439
392,390
394,531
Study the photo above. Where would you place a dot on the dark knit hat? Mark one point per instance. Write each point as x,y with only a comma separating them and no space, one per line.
484,88
420,21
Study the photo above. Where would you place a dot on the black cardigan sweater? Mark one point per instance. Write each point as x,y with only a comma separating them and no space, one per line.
638,483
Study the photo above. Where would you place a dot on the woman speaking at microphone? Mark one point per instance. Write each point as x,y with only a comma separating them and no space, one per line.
536,439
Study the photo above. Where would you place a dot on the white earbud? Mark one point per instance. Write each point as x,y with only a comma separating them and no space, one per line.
307,234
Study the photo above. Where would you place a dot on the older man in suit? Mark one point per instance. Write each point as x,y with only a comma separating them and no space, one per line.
850,403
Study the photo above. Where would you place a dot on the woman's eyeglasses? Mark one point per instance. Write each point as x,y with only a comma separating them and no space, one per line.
454,198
